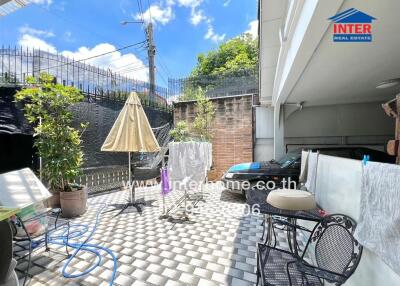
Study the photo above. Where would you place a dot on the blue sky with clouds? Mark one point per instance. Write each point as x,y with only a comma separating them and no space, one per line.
80,29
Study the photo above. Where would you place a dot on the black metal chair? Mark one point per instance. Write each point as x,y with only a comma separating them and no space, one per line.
27,243
331,255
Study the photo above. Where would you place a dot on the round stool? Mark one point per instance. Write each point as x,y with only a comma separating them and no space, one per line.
294,200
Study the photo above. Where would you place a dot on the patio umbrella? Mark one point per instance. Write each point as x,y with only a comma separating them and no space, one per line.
131,132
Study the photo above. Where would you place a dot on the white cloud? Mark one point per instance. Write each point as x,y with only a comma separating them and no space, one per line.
211,35
227,2
185,3
197,16
30,41
253,29
67,36
126,64
157,15
42,2
35,32
190,3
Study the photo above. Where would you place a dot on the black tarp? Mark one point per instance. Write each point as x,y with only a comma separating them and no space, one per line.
12,120
100,116
16,135
16,138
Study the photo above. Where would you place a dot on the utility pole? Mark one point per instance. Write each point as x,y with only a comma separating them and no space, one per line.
151,52
151,55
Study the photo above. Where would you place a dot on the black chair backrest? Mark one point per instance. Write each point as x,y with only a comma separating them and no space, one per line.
334,245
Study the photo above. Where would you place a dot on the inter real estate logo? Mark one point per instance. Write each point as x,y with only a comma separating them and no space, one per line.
352,25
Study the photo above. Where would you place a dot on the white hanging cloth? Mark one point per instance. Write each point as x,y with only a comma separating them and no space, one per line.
378,226
188,164
312,172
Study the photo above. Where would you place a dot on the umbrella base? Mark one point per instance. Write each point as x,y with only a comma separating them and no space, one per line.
123,207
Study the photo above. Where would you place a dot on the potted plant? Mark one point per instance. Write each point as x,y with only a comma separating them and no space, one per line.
47,106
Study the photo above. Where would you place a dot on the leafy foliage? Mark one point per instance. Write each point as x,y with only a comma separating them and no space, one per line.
236,54
192,93
58,143
205,112
204,117
181,132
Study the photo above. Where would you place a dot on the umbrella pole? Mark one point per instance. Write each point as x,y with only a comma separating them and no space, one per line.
129,177
133,184
131,181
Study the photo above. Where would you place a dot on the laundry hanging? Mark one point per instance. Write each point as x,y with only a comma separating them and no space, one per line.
165,189
378,226
188,163
304,166
312,172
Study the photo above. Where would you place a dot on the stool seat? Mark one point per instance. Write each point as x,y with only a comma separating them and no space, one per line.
294,200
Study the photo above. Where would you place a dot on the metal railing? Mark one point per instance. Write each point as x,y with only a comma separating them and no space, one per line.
18,63
244,81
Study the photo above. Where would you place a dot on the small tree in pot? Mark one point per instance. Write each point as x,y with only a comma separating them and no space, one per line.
47,107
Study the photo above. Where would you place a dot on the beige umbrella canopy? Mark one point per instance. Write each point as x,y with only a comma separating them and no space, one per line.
131,131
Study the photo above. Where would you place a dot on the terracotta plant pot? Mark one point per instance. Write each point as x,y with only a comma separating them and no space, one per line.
54,200
73,203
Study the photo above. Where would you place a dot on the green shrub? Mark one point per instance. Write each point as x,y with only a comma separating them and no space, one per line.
46,107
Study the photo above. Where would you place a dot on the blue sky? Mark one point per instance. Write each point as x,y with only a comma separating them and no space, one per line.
83,28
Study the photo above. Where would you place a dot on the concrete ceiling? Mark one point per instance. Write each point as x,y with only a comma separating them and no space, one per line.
349,72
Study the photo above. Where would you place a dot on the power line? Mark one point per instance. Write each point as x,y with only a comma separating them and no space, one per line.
162,78
85,59
106,53
163,67
140,9
132,69
164,64
93,57
128,65
139,2
93,31
60,15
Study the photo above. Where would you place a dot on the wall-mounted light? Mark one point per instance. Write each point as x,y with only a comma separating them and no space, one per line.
388,83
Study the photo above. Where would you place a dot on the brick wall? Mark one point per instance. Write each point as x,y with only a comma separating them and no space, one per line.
232,130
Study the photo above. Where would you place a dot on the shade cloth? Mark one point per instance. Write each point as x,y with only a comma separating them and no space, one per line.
12,119
378,227
188,163
131,131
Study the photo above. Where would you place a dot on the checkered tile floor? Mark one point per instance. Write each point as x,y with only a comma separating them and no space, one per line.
217,246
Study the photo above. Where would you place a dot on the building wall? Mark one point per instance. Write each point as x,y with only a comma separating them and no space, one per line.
347,124
361,123
232,131
264,133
